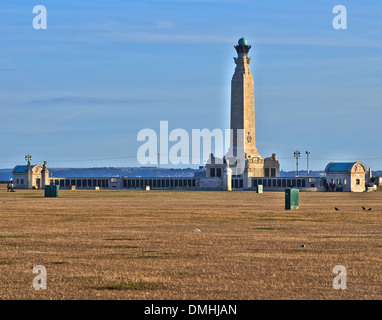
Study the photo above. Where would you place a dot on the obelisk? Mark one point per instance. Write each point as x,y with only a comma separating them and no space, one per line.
243,113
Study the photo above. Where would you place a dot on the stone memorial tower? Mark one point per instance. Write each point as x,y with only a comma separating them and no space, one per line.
242,159
243,141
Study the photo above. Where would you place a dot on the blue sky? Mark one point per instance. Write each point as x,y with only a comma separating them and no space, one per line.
103,70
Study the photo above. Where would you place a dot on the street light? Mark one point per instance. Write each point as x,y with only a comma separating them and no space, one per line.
307,161
297,154
28,158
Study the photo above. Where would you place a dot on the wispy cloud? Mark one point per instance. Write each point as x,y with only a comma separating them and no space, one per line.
87,100
164,33
308,41
157,37
78,113
160,25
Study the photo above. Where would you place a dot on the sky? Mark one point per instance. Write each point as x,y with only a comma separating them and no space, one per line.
78,93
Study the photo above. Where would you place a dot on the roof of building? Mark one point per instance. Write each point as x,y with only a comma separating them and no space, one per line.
342,167
21,168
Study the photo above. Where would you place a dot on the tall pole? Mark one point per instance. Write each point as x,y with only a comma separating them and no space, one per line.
158,166
297,154
28,158
307,162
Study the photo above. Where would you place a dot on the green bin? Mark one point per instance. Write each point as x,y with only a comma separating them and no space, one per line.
291,199
54,190
260,188
47,191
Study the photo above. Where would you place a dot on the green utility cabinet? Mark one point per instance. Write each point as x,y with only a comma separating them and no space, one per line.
292,198
52,191
47,191
260,188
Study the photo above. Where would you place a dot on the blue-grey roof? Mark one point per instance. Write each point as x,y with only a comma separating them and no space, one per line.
21,169
340,166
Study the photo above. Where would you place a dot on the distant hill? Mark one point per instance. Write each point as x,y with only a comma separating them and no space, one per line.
302,173
377,173
5,174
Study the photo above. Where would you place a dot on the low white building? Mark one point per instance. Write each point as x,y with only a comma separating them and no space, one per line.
346,176
30,176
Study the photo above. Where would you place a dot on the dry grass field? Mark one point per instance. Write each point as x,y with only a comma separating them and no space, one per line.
142,245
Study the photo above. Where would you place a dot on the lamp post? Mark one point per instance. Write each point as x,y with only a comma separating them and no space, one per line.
158,166
28,158
297,154
307,162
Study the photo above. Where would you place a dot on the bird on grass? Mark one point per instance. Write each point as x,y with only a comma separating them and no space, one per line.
369,209
363,208
336,209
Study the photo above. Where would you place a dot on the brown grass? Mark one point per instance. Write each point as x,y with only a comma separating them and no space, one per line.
142,245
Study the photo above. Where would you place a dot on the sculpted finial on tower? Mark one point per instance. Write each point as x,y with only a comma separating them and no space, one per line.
242,48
